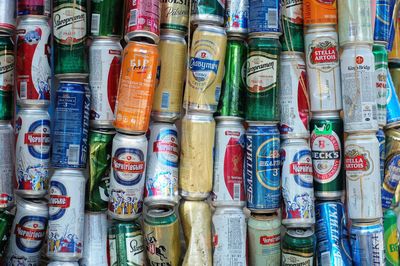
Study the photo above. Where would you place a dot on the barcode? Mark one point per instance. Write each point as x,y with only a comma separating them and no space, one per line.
236,191
165,100
23,89
132,19
47,6
326,258
95,24
73,154
272,18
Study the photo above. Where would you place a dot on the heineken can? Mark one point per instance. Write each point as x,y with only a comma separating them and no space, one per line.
237,17
392,103
33,7
264,17
106,18
298,247
292,26
8,15
383,17
174,16
318,12
207,11
7,59
6,221
7,159
262,79
379,80
390,237
392,167
380,135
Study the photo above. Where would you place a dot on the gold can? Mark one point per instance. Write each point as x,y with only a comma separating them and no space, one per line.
392,142
394,55
174,15
395,74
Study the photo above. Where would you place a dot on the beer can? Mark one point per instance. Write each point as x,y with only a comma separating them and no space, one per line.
298,247
174,16
392,103
229,226
168,94
318,12
33,7
292,26
161,236
264,17
8,15
362,177
323,71
6,221
7,159
390,237
394,37
196,156
379,80
206,69
237,17
105,66
32,152
262,168
380,135
395,75
63,263
383,17
207,12
7,59
392,167
228,185
136,87
106,18
71,129
161,186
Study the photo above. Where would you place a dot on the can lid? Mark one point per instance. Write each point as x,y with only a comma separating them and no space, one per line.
71,76
352,45
5,122
294,140
33,205
300,233
199,116
363,223
237,36
267,35
264,216
33,107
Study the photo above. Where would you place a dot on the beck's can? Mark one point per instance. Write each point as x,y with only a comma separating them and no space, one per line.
106,18
292,26
7,159
298,247
392,167
264,17
380,135
174,16
7,59
237,17
379,80
317,12
33,8
207,12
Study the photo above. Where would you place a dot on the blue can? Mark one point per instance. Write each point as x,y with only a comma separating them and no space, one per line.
392,103
392,24
71,125
391,180
380,135
383,17
262,168
333,247
264,16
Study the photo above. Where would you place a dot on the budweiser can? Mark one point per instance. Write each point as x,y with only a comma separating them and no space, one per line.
33,61
33,7
8,16
104,65
32,152
363,177
7,165
128,170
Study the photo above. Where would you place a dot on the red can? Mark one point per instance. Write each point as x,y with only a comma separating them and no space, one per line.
34,7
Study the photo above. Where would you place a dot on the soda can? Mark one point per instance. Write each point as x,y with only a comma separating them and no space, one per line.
105,66
323,71
298,247
33,7
8,14
71,129
392,103
262,168
390,237
206,69
207,12
383,17
127,176
264,17
392,167
197,156
136,87
229,226
318,12
174,16
106,18
167,102
237,17
292,26
33,61
161,236
7,58
380,135
7,159
6,221
367,245
161,186
379,80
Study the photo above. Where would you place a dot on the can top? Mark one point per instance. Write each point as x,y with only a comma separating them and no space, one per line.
159,211
262,35
238,37
361,224
261,123
38,108
362,135
142,44
319,28
264,216
103,131
362,45
28,19
300,233
199,116
73,172
211,28
294,141
393,133
33,205
325,115
328,202
105,40
5,122
172,36
73,82
132,136
228,119
381,44
229,209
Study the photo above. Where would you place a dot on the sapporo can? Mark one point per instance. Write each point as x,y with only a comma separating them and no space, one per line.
8,14
322,58
32,152
6,221
390,237
319,12
206,69
379,80
392,167
7,59
392,103
363,181
105,66
207,11
262,79
264,17
106,18
292,26
229,226
196,156
7,166
161,236
33,7
136,87
237,16
298,247
174,16
383,17
380,135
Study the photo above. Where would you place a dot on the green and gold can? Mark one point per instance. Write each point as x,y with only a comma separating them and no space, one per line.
292,26
298,247
207,12
391,238
106,20
174,16
7,69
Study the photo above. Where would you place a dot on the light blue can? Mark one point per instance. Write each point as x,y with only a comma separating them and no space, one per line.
392,103
264,16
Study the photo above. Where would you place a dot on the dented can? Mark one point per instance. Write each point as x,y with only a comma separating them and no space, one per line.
207,11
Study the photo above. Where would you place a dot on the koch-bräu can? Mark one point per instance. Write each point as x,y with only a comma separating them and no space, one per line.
7,159
292,26
168,94
383,16
174,16
229,226
391,238
8,14
262,79
32,152
161,236
298,247
27,233
264,17
106,18
136,87
228,185
105,66
322,58
367,244
33,7
100,144
237,17
33,61
71,129
317,12
196,157
380,135
6,221
207,11
379,80
7,59
206,69
392,103
262,168
392,167
161,186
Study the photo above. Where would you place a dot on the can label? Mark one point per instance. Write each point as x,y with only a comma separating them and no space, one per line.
391,180
69,24
174,15
95,239
8,167
237,16
142,16
320,12
261,72
380,135
380,79
292,259
264,244
392,101
33,7
367,244
134,249
7,70
264,16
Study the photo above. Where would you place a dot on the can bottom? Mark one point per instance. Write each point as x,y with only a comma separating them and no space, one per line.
194,195
328,195
129,132
31,194
161,201
64,257
207,19
200,108
123,218
138,34
165,116
106,124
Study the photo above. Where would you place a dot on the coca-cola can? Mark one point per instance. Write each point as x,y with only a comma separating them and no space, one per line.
7,164
33,7
8,16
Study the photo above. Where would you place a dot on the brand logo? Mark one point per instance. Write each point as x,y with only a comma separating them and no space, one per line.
30,232
359,59
136,247
233,167
324,52
158,252
202,65
166,147
59,200
69,23
301,168
261,72
357,159
270,240
128,166
38,139
268,164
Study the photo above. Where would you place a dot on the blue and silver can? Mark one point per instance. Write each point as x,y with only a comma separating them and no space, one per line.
380,135
392,167
264,16
383,17
392,103
262,167
70,139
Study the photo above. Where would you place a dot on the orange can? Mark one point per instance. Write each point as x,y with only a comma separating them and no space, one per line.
136,87
319,12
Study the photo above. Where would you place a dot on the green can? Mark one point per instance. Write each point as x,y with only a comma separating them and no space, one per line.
7,69
107,18
298,247
233,93
6,220
380,76
292,25
100,144
262,79
208,12
390,237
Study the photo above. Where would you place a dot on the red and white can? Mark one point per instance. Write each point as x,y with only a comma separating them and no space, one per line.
7,164
105,65
8,21
33,7
33,61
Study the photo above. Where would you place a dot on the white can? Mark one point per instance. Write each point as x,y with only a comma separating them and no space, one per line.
66,210
359,95
62,263
363,190
380,80
6,165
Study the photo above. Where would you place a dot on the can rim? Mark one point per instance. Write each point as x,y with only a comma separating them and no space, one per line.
108,131
68,171
212,27
319,28
264,216
73,82
266,35
266,123
33,204
325,114
228,118
159,211
300,232
22,18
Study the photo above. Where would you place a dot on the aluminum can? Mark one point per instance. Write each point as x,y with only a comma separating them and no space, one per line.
394,37
206,69
161,186
32,152
7,58
6,221
33,7
196,226
237,17
264,17
292,26
392,103
105,66
383,17
318,12
379,80
323,71
136,87
380,135
106,18
27,233
167,101
390,238
367,243
395,74
71,129
7,164
33,61
207,11
229,226
228,185
262,168
174,16
262,79
161,236
66,215
142,20
392,167
298,247
63,263
196,158
362,177
8,14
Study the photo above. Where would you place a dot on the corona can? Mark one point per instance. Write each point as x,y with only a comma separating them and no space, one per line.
7,59
33,7
8,14
237,17
298,247
264,17
7,157
174,16
380,79
207,11
317,12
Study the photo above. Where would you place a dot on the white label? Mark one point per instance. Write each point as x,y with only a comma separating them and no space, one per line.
261,72
294,260
6,71
73,154
95,24
69,25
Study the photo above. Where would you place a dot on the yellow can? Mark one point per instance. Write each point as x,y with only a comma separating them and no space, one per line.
174,16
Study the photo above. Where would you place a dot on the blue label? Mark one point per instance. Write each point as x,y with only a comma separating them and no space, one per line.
166,148
128,166
202,64
264,16
30,232
393,105
384,12
39,145
367,245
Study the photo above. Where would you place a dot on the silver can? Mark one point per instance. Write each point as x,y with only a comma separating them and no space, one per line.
6,165
62,263
237,17
8,16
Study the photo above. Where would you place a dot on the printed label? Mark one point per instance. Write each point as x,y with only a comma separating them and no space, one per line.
6,71
268,164
59,200
358,162
38,139
296,260
128,165
69,24
166,147
30,232
323,54
261,72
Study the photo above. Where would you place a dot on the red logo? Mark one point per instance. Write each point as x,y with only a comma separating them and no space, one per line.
359,59
301,168
114,52
167,147
270,240
324,55
128,167
59,201
37,139
30,233
356,163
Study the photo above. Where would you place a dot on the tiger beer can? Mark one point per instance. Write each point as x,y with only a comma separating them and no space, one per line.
392,103
380,80
174,16
237,16
7,158
8,15
317,12
380,135
391,167
33,7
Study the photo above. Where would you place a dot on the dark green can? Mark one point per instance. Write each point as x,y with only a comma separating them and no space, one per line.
207,11
107,18
7,71
292,25
6,220
262,79
231,101
298,247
